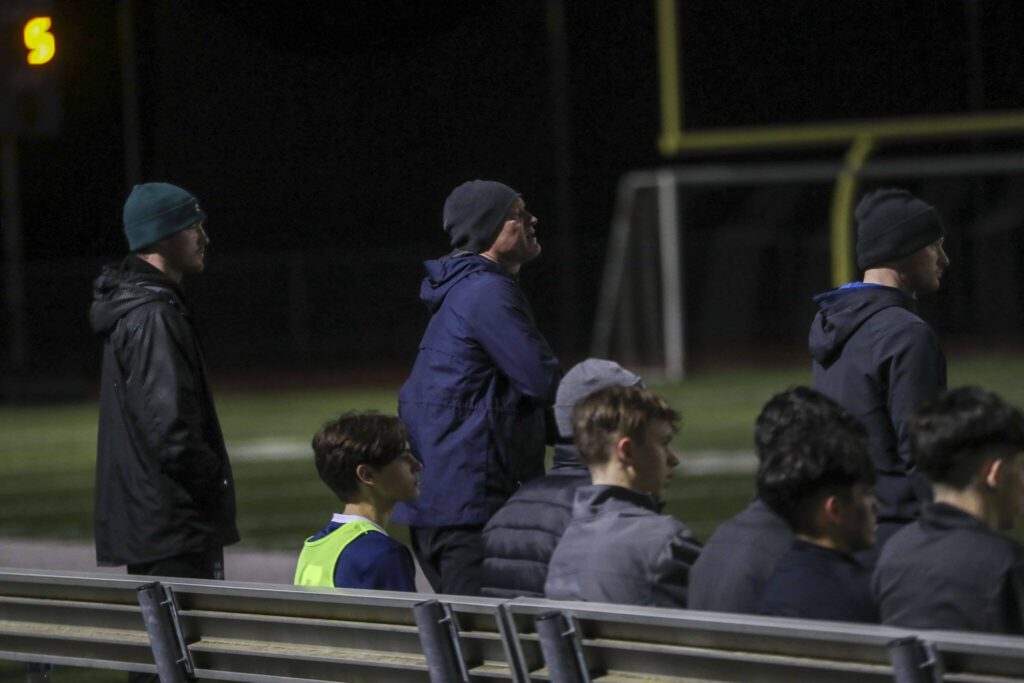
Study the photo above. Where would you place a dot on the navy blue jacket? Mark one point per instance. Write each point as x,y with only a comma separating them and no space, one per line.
619,549
950,571
875,357
811,582
737,560
519,539
475,400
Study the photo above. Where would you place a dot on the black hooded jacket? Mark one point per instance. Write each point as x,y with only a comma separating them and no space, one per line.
163,480
875,357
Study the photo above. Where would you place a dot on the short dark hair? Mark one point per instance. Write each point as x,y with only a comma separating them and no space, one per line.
809,448
353,439
615,411
953,434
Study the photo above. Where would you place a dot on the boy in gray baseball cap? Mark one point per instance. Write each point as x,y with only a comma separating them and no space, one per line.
520,537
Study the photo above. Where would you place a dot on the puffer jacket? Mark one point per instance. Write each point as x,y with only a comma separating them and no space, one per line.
519,539
619,549
875,357
163,481
474,404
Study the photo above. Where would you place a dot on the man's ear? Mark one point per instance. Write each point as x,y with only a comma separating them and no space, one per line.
831,509
992,472
624,451
365,473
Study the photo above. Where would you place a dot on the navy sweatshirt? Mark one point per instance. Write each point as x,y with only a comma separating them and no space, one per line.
812,582
875,357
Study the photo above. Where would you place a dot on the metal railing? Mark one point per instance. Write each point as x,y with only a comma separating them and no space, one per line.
266,633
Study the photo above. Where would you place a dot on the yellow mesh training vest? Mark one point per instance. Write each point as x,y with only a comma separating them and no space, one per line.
319,557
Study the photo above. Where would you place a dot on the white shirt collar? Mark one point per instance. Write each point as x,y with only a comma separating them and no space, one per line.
345,519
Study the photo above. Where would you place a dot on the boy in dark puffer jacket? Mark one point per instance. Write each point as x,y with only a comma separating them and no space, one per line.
519,539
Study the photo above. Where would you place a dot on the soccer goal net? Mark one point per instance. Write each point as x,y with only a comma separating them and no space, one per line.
724,259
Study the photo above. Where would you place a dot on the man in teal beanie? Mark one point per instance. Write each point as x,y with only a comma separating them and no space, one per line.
165,499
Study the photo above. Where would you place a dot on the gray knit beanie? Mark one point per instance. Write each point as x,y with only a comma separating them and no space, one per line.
584,379
892,224
474,212
154,211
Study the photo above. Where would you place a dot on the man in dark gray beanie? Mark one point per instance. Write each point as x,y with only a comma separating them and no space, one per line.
474,405
165,499
873,354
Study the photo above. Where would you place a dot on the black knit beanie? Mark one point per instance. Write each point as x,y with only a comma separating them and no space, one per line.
892,224
474,212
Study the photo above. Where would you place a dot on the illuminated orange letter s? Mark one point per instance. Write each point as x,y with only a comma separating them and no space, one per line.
39,40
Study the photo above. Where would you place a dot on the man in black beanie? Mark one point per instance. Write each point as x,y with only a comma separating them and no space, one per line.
165,498
873,354
474,405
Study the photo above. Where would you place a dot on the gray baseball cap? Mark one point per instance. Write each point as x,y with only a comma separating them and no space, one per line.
581,381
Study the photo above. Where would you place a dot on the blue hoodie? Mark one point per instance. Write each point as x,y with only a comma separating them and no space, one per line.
875,357
475,400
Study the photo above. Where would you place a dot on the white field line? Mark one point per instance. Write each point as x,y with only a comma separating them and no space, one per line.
269,449
691,462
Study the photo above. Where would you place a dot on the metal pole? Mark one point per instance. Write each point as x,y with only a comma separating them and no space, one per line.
298,326
842,233
38,673
439,638
614,268
565,227
129,93
510,641
671,279
563,653
914,661
14,258
165,640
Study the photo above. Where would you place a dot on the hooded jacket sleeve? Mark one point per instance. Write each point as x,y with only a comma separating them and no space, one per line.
162,393
671,571
917,372
504,326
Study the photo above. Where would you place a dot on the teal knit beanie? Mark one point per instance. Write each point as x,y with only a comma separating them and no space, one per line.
154,211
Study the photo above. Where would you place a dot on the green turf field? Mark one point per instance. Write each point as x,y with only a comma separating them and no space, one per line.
46,452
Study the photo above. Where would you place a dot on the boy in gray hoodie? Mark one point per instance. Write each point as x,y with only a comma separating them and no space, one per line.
618,548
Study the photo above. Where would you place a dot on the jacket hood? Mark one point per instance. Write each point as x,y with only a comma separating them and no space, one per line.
842,311
444,273
567,460
603,497
123,287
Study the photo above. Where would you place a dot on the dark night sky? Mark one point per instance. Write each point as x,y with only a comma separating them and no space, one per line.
341,126
353,119
314,124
